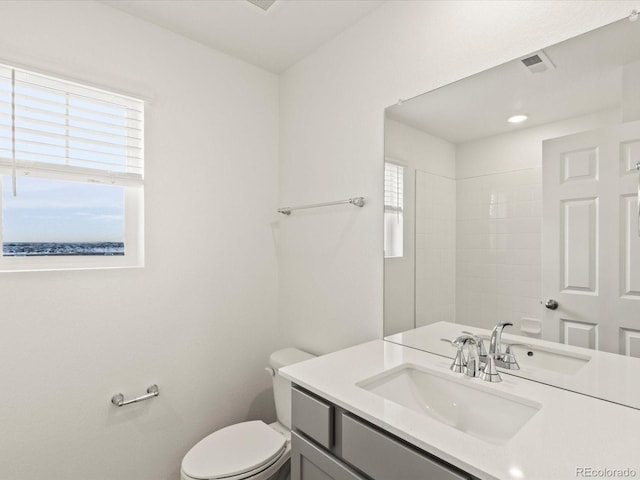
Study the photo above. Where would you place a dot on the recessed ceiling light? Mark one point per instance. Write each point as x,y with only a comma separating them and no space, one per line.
517,118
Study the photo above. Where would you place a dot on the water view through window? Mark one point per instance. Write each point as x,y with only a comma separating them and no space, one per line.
55,217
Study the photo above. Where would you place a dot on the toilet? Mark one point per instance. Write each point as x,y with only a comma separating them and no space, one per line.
249,450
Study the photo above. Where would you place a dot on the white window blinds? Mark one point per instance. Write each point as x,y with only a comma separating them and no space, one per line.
56,128
393,187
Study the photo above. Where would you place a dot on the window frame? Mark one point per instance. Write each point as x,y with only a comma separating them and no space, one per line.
133,190
133,241
389,209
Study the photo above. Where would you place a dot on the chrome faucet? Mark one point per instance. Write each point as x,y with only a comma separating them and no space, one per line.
490,372
470,365
459,364
481,350
508,360
502,359
479,362
496,338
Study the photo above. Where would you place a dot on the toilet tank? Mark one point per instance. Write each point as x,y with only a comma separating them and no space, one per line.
282,386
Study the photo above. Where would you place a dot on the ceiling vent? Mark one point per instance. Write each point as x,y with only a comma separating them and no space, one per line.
537,62
263,4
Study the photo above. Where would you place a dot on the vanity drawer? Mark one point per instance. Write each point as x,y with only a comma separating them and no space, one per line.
312,416
382,457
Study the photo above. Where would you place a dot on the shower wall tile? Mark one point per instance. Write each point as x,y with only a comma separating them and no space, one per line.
498,239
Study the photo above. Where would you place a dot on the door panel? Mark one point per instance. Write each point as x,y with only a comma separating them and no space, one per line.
579,334
591,246
629,246
578,226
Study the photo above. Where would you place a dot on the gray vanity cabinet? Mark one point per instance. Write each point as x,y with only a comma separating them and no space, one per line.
310,462
329,443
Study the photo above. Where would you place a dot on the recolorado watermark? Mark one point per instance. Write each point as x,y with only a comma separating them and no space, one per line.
605,472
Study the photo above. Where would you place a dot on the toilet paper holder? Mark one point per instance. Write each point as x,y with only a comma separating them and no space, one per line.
119,401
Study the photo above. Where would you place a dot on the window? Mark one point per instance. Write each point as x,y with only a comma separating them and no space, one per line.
393,209
71,170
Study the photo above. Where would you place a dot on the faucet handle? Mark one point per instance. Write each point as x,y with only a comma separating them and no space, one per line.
481,350
465,338
490,372
508,359
473,361
459,364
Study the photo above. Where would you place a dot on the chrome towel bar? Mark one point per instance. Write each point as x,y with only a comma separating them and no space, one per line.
356,201
119,401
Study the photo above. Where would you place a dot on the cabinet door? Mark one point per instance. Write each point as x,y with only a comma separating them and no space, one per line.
309,462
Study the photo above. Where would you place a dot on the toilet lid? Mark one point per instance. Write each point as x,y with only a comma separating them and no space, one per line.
233,450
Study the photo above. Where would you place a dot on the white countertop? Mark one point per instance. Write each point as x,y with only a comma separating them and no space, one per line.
609,376
570,431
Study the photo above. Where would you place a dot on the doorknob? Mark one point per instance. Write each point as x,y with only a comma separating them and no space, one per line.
551,304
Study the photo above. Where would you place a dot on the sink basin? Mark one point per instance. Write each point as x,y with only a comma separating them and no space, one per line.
546,358
465,403
549,359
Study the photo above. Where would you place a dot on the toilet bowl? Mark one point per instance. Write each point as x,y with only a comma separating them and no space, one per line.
249,450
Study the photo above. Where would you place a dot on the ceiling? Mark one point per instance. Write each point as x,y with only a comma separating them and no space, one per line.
587,79
274,39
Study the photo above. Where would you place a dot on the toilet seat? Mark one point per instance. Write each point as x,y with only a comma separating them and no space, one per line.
235,452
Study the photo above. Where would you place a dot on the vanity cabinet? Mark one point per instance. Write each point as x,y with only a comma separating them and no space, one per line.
330,443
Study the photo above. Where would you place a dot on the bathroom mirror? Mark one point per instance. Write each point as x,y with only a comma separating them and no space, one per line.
515,191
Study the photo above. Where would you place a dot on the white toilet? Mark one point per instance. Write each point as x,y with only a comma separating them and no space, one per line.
249,450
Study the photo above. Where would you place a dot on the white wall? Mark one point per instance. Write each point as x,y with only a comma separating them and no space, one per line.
435,292
331,139
419,149
199,319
